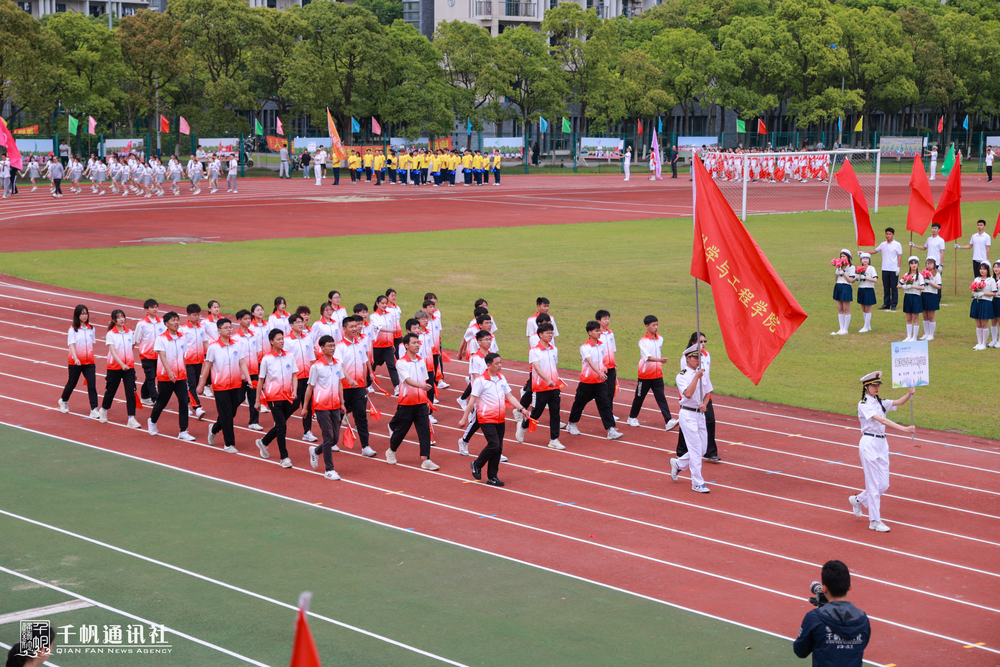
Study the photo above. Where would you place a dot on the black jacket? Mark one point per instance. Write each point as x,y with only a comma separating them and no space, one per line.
836,634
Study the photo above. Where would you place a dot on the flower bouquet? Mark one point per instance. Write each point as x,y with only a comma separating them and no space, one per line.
927,274
840,262
977,285
907,280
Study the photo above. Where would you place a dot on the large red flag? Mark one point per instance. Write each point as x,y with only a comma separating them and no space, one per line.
304,653
859,205
949,208
164,124
7,140
761,128
996,230
921,208
757,313
941,124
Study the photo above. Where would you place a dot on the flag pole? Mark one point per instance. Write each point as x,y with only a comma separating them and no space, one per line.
911,414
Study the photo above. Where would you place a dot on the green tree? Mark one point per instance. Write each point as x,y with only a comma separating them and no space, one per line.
464,51
30,59
270,57
752,68
578,50
687,60
152,50
91,64
386,11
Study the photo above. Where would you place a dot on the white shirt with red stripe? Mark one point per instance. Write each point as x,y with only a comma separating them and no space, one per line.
325,379
547,358
225,364
477,365
395,314
261,329
595,352
426,351
533,325
473,346
353,358
326,328
211,326
279,321
492,330
383,329
194,337
175,349
301,348
122,341
412,369
650,347
84,340
435,327
277,374
251,349
491,398
146,331
608,340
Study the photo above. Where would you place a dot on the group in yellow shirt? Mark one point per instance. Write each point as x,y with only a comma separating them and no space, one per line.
414,166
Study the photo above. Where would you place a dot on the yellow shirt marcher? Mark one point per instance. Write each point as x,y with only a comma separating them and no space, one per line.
368,159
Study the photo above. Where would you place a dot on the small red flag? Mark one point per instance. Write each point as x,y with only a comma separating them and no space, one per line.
164,124
304,653
373,411
349,437
617,387
438,376
445,358
561,385
761,127
376,385
941,124
84,382
996,230
532,425
138,401
921,208
432,432
859,206
949,208
194,401
640,126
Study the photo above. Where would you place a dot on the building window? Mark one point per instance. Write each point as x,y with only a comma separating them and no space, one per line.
60,7
97,10
26,6
411,13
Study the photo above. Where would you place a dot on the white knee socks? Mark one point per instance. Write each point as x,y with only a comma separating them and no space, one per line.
868,321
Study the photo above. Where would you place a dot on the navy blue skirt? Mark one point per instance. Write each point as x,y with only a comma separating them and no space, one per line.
866,297
931,301
981,310
913,304
996,307
843,292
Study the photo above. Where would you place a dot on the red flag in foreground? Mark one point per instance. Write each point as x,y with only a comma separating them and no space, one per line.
304,653
138,401
757,313
921,208
373,411
949,209
7,140
859,205
996,230
349,437
445,358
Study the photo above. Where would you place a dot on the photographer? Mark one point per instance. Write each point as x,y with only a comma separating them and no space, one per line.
837,632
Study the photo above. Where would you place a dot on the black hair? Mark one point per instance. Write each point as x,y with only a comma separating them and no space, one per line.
427,303
836,577
543,317
480,310
222,320
890,229
482,334
412,322
360,307
150,303
491,357
379,299
332,292
255,306
303,309
114,318
649,319
171,316
545,326
241,313
540,300
76,316
982,221
323,340
193,308
389,291
213,301
429,296
323,306
694,338
936,224
408,337
592,325
601,314
483,318
278,300
274,333
479,302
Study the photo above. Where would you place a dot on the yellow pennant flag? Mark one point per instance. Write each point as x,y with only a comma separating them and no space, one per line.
857,128
338,146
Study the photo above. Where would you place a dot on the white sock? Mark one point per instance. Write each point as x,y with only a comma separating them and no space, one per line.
847,321
927,328
979,336
993,334
840,321
868,320
909,332
933,327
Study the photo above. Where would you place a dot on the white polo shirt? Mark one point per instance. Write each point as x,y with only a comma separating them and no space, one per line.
890,255
980,246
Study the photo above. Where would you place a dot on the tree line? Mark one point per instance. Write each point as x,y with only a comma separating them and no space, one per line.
802,64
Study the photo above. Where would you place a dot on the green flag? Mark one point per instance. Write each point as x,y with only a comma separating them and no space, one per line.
567,129
741,126
258,128
73,124
949,161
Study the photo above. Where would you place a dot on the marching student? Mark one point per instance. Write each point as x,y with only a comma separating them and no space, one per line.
121,368
299,345
32,171
259,325
355,361
412,408
430,305
843,293
477,366
980,244
325,390
171,375
277,387
892,256
146,331
384,330
422,329
252,351
930,298
496,166
995,325
159,177
912,284
610,347
234,165
866,276
695,394
226,364
195,174
339,312
55,172
279,316
214,164
397,316
544,360
651,362
527,396
378,166
984,289
81,338
210,325
874,449
592,386
711,446
195,344
490,396
542,306
934,245
326,326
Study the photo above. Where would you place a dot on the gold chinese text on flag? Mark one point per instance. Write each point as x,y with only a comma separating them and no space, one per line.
756,312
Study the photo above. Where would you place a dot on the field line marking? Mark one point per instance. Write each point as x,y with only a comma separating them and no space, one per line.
38,612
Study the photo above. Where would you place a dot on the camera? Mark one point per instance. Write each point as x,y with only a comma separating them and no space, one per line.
816,589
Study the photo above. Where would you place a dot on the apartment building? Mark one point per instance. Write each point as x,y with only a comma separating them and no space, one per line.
40,8
497,15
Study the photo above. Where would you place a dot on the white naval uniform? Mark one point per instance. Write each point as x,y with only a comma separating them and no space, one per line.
692,423
874,452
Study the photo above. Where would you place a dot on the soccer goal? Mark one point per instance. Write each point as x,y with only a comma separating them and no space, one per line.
791,182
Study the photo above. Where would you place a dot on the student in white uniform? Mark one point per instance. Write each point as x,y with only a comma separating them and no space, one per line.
33,172
319,163
231,175
995,323
195,173
627,162
934,245
5,176
980,243
213,174
843,293
982,304
866,276
930,298
933,162
100,172
695,390
912,284
175,173
159,177
874,449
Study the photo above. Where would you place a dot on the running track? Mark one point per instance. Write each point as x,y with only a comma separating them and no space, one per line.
272,208
607,511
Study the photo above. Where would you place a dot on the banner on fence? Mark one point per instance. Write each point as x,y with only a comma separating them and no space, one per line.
509,147
34,146
900,146
993,142
26,130
276,143
219,145
601,147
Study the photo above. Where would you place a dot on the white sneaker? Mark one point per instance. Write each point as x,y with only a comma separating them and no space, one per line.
461,402
263,449
395,390
207,392
572,429
334,448
519,432
184,435
332,474
95,413
671,424
674,469
369,452
562,425
924,337
211,436
200,413
864,329
429,465
834,333
390,457
151,427
263,408
931,337
878,526
855,505
615,434
102,416
286,463
148,402
432,419
255,427
979,347
616,418
632,421
132,423
701,488
371,390
63,406
313,458
842,332
309,437
442,384
463,447
555,444
437,401
503,459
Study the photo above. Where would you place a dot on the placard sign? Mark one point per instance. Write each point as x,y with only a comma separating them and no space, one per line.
910,364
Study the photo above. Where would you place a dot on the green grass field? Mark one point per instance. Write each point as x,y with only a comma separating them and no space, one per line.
464,605
631,268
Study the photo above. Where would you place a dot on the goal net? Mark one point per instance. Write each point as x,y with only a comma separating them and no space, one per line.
790,182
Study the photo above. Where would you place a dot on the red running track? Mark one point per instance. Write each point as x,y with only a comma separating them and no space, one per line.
607,511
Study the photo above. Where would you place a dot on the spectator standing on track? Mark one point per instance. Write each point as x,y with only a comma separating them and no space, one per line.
304,160
146,331
892,258
988,162
544,360
592,385
81,340
195,343
277,387
171,375
325,390
712,448
837,633
980,243
354,356
934,156
234,165
226,364
627,162
675,156
120,369
651,362
695,393
413,408
874,449
319,164
283,171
